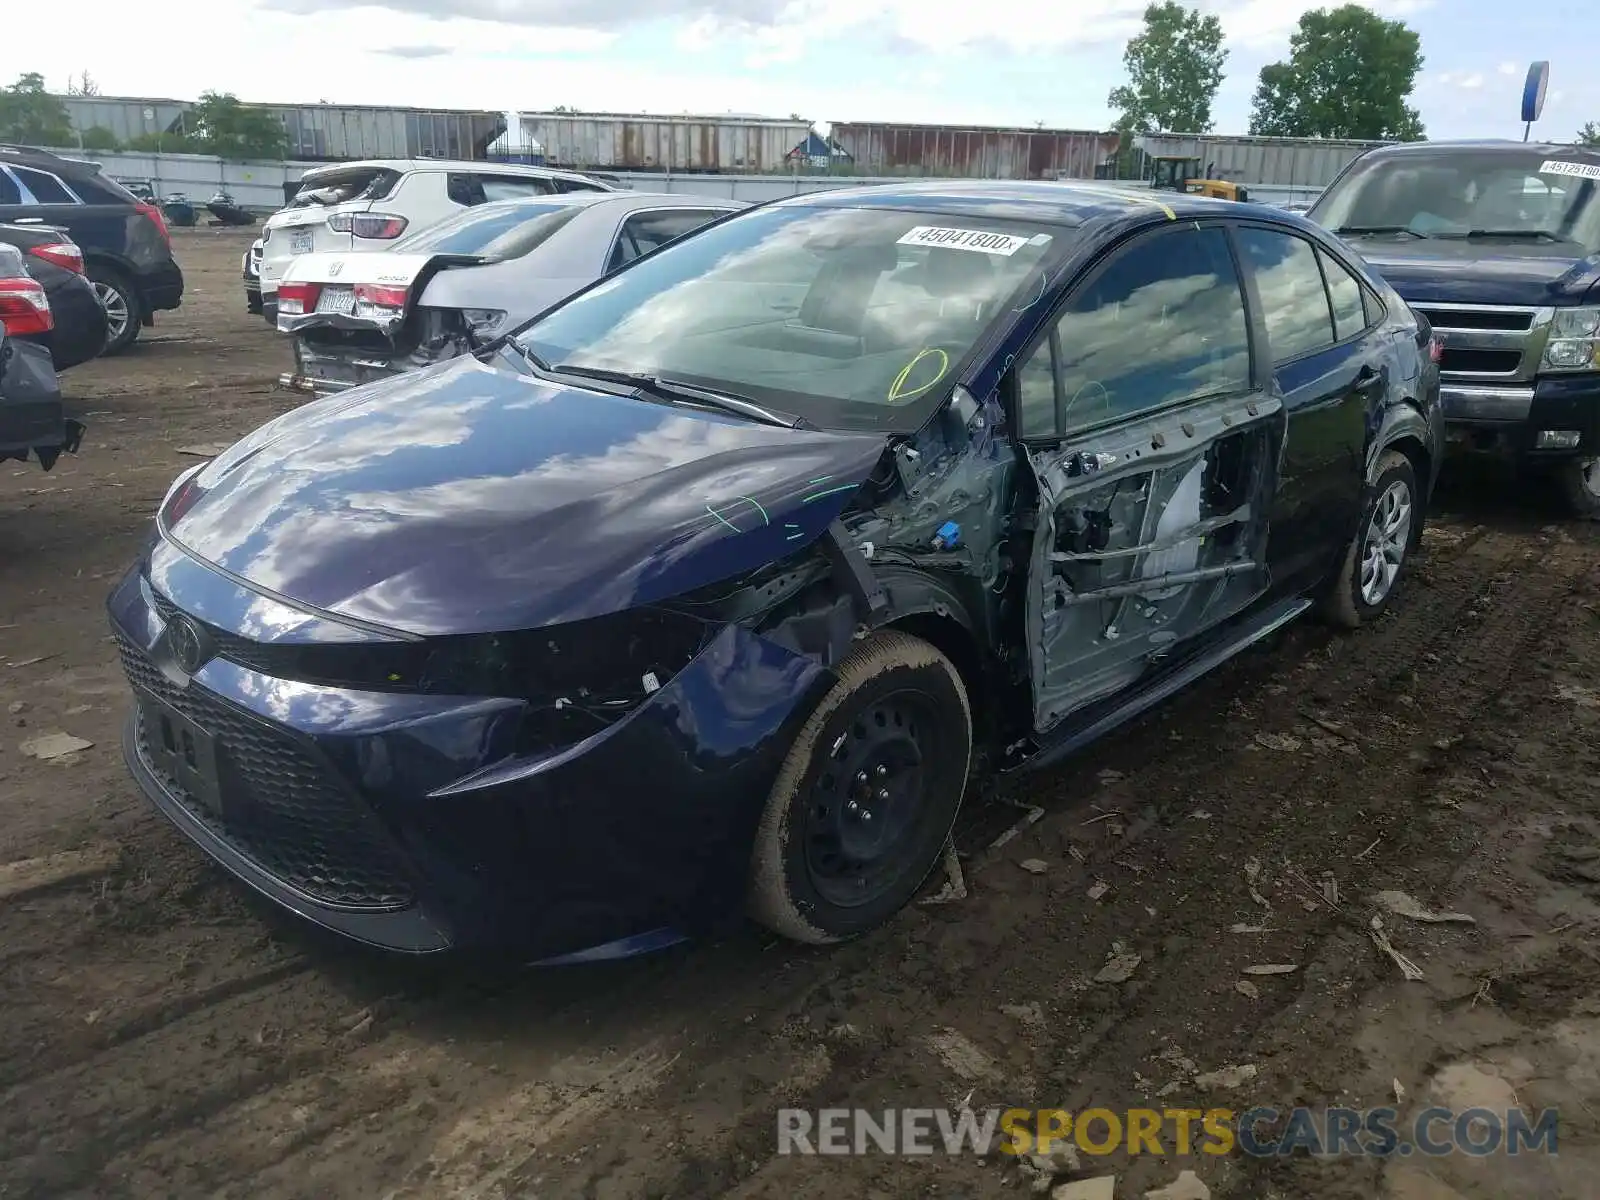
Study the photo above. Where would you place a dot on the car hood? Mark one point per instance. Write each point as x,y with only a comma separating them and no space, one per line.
469,499
1456,271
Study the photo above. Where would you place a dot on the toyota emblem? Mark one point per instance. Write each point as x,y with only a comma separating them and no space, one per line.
189,645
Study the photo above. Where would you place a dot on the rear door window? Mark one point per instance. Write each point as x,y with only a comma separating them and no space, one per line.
46,188
1294,301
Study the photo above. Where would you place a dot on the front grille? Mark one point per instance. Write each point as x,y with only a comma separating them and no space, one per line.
282,808
254,655
1511,320
1481,362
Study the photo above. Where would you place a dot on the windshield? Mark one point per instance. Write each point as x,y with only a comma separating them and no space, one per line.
337,187
1464,193
507,229
852,318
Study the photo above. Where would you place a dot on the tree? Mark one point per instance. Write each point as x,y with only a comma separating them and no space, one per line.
31,115
1348,75
224,127
1174,68
1589,135
98,137
83,85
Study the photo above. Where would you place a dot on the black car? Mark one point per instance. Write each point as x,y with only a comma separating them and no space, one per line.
706,587
33,420
126,246
1497,244
78,321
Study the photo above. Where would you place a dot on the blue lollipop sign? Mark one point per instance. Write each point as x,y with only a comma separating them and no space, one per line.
1533,90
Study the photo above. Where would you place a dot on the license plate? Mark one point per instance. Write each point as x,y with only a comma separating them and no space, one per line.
301,241
337,299
182,750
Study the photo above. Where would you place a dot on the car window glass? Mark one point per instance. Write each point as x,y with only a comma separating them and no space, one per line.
8,190
494,231
464,189
1036,394
46,188
503,187
1293,299
652,229
1163,323
1350,314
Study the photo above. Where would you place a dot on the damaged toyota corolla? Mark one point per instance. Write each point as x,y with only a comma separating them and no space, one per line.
702,593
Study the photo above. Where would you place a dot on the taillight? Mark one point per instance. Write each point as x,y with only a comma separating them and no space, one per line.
156,215
24,308
63,254
384,226
379,295
297,299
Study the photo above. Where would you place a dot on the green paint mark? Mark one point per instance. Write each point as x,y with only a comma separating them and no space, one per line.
844,487
766,519
723,519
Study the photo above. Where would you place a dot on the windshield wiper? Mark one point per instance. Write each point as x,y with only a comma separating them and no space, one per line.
1357,230
671,389
1527,234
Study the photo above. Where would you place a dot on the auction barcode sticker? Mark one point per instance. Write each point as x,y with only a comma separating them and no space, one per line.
980,240
1556,166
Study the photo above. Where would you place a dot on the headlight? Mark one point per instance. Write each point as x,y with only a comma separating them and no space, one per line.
1574,343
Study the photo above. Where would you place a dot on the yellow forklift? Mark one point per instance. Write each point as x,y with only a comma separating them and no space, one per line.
1176,173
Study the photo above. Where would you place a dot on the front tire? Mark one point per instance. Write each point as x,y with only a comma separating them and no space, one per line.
1369,574
1580,484
867,795
121,303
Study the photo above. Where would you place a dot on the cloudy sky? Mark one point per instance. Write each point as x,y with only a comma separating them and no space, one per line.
1001,62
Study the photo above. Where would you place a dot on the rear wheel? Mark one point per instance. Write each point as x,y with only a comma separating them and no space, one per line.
1580,483
121,303
1370,572
861,809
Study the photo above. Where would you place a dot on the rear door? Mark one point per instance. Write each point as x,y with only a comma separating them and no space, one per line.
1330,378
1154,444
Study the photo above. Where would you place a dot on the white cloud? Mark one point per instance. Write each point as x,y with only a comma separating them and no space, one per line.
1509,68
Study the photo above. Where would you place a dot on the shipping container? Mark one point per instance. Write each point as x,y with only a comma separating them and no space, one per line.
1294,162
973,151
650,142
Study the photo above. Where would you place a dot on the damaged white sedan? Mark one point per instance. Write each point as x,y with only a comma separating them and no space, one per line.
452,288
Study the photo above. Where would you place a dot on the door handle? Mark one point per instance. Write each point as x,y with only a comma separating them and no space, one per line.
1368,379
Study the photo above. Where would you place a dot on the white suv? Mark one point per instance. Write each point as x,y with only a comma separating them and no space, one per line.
367,205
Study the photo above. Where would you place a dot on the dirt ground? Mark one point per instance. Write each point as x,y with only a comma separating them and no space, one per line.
166,1036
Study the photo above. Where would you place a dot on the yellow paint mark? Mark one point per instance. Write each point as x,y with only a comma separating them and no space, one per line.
1132,198
898,390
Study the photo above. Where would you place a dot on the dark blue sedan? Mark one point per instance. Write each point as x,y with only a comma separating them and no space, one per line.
704,592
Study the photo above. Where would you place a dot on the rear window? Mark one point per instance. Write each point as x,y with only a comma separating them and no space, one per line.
46,188
498,231
337,187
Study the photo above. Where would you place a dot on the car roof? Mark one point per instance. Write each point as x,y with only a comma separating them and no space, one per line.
32,156
1070,204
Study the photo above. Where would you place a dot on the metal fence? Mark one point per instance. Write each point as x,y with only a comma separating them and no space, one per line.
259,186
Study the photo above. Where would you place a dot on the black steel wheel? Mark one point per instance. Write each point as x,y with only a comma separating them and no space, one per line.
866,797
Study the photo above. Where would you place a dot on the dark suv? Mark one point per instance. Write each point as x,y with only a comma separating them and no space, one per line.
126,247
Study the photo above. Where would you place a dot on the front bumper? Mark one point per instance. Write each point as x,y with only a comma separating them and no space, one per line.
409,822
1512,417
33,420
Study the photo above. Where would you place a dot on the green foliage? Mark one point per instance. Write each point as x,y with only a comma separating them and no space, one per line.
1589,135
1348,75
1174,69
32,116
98,137
236,131
167,143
